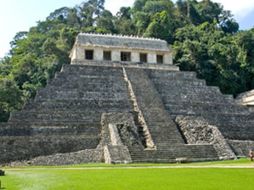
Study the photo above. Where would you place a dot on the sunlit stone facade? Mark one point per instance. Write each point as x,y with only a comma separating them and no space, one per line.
116,48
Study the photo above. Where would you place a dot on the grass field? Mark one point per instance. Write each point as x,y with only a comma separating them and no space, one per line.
133,177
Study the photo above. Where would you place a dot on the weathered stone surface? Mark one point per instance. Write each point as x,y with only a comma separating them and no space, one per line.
83,156
120,120
118,130
129,135
117,154
161,127
63,118
197,130
241,148
183,94
73,113
115,45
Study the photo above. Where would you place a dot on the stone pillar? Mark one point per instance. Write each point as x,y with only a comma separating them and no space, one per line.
98,54
135,57
73,55
80,53
168,59
115,55
151,58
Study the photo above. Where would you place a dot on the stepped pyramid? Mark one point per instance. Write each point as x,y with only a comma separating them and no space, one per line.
120,101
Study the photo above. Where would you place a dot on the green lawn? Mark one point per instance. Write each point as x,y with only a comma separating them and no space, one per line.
94,177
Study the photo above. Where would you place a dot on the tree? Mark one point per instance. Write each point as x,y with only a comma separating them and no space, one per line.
89,11
214,55
10,98
160,27
124,23
105,21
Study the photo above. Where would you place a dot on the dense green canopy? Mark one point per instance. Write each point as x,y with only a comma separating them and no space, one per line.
204,36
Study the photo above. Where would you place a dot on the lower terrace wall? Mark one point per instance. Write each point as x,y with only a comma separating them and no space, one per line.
83,156
241,148
27,147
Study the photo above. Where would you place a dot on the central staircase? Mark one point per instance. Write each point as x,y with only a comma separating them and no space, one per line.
168,139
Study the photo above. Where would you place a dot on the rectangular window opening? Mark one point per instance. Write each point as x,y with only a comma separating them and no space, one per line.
89,54
160,59
107,55
125,56
143,57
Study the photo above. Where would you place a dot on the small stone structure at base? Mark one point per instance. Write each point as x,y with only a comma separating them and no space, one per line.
197,130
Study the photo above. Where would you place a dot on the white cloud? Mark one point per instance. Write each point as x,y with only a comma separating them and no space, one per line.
115,5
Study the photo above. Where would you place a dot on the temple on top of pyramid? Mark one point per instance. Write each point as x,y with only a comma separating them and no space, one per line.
118,48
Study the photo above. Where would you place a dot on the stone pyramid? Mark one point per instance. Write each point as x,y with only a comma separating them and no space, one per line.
118,112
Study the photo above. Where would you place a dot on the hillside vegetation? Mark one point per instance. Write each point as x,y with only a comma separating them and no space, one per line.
204,36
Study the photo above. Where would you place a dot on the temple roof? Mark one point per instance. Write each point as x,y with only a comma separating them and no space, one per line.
108,40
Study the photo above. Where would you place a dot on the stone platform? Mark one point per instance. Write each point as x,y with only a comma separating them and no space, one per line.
121,113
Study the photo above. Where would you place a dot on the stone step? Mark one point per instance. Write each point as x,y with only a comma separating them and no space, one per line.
157,117
50,130
240,118
85,81
60,123
89,74
195,97
78,105
74,125
224,119
83,109
173,155
75,95
41,99
59,90
188,89
186,83
168,102
56,116
152,107
198,108
211,104
95,70
171,74
171,87
100,87
176,151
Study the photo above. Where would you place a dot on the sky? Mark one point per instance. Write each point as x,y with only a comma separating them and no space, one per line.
20,15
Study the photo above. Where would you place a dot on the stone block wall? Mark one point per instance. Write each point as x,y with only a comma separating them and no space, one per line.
185,95
241,148
78,54
65,116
